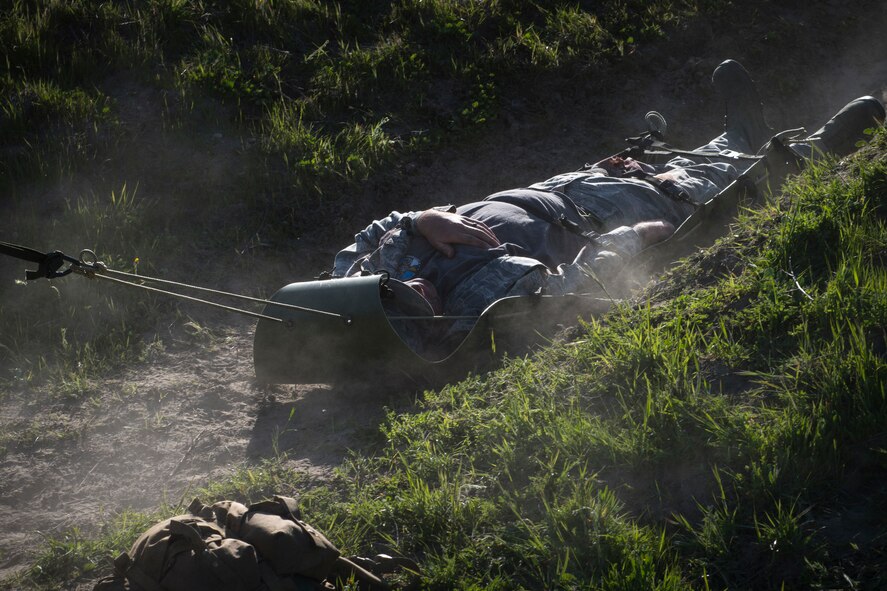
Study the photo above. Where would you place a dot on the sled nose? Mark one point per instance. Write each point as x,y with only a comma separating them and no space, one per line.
340,329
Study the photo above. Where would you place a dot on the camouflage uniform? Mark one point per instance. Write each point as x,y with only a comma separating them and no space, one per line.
378,249
608,204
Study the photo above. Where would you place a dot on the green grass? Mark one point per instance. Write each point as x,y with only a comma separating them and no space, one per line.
729,438
77,554
347,67
68,330
320,96
727,432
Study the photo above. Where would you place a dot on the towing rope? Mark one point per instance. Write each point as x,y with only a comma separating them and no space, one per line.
89,266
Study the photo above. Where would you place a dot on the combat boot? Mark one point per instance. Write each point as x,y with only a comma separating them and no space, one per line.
744,121
842,132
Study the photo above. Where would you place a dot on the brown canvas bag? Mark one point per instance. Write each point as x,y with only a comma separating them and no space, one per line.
231,547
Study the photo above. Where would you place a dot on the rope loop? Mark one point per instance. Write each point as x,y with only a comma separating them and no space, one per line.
88,257
90,264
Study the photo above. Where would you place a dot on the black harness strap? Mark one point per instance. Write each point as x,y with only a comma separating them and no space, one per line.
649,145
667,187
48,264
562,220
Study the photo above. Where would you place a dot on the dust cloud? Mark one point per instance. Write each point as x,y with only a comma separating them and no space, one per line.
191,410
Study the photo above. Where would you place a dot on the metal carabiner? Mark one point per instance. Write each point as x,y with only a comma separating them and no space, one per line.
90,264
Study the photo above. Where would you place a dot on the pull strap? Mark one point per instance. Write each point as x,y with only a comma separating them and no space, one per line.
48,263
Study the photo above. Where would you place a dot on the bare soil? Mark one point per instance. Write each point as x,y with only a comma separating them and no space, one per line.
193,411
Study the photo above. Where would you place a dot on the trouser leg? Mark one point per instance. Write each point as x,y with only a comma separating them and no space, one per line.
845,129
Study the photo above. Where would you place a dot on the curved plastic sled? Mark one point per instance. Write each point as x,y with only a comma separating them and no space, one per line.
357,337
361,339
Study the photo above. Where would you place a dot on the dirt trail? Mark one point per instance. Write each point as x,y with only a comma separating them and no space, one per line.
159,430
193,412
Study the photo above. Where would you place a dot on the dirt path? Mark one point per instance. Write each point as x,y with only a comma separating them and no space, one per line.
158,430
193,412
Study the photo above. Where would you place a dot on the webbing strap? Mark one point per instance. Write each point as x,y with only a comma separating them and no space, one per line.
705,155
48,263
22,252
648,144
666,186
344,569
562,221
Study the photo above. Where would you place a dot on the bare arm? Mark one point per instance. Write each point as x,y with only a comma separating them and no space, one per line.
601,261
653,232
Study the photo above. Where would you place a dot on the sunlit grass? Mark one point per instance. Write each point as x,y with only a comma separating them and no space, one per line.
322,97
729,436
707,442
67,331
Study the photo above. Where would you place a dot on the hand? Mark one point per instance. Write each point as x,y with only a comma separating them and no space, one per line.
443,230
617,166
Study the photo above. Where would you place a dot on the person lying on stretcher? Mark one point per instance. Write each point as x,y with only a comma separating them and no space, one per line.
575,230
